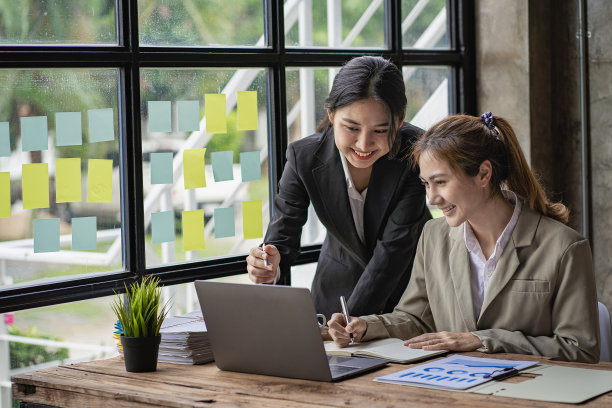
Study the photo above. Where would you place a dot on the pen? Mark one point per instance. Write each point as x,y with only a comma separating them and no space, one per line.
502,374
346,315
265,260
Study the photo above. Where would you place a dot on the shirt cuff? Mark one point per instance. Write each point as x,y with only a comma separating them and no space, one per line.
483,349
277,276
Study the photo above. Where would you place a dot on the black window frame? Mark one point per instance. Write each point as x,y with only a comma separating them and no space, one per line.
129,57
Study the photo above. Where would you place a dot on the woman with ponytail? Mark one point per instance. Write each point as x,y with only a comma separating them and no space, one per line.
500,272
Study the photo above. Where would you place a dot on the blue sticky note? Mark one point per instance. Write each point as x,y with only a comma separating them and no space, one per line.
250,166
5,139
101,126
34,133
159,116
224,222
68,129
188,115
222,165
161,168
46,235
84,233
162,226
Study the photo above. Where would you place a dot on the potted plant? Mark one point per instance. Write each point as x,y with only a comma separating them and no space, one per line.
141,315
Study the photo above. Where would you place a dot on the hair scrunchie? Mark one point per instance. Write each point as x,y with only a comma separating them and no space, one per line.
490,122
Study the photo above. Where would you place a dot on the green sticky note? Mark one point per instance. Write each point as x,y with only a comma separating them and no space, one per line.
188,115
101,126
162,226
68,129
161,168
222,165
35,185
250,166
247,110
193,230
84,233
46,235
224,222
160,116
100,181
34,133
193,168
68,180
5,139
214,110
252,223
5,194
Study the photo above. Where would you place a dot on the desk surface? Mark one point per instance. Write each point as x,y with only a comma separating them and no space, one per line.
97,383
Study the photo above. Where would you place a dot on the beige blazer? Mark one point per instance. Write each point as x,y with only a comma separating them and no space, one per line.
541,298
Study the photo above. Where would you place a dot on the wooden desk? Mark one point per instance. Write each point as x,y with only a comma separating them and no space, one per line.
105,383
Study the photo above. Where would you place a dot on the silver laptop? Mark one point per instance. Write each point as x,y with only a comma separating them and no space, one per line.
271,330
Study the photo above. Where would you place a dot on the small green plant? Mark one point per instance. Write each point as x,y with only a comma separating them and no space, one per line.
141,313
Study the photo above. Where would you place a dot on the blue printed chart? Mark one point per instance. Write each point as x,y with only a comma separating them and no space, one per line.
454,372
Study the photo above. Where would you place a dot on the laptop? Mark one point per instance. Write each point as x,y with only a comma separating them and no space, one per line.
271,330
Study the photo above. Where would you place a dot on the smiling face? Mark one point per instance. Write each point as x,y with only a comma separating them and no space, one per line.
361,132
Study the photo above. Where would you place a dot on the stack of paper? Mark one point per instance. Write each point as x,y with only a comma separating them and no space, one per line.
184,340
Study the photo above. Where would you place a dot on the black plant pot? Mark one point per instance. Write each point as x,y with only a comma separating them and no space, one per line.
140,353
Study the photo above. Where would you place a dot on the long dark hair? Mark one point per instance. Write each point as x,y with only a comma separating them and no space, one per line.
370,78
466,141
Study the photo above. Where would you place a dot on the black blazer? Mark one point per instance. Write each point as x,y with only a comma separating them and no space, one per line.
371,275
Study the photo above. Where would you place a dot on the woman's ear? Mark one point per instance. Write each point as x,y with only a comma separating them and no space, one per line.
484,173
330,115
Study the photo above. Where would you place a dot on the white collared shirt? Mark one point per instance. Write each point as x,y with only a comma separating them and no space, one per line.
482,269
356,199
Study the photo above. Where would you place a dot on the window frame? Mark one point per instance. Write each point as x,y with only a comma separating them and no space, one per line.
129,58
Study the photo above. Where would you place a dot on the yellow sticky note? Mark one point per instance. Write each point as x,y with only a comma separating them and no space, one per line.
5,194
100,181
193,230
252,223
247,110
214,109
68,180
35,185
193,168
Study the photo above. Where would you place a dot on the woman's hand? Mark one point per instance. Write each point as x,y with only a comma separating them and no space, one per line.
339,331
451,341
258,271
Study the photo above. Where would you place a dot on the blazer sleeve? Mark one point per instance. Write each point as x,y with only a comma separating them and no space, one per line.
575,325
290,214
412,316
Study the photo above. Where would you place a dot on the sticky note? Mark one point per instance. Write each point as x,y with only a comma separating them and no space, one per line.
162,226
247,110
160,116
214,110
35,185
193,168
5,194
46,235
161,168
188,115
68,180
224,222
84,233
101,126
252,223
250,166
193,230
5,139
222,165
68,129
34,133
100,181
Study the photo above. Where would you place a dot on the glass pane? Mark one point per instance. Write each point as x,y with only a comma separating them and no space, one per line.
336,24
208,23
427,90
424,24
227,184
55,122
58,22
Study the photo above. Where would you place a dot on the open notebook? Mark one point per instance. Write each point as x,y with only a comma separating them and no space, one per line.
389,349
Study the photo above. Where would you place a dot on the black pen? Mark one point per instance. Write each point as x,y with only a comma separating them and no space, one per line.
346,315
502,374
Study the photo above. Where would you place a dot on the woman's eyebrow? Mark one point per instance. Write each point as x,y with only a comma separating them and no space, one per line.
357,123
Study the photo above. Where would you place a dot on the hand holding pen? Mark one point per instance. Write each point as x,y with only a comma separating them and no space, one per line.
262,263
347,317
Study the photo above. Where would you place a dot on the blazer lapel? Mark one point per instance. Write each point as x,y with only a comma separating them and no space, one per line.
459,264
